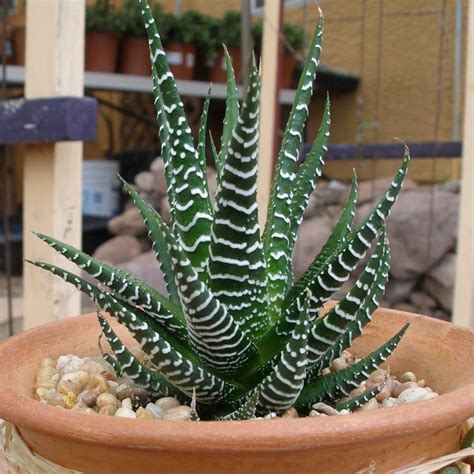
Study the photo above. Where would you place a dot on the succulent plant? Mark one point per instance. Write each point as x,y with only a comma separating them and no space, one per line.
236,331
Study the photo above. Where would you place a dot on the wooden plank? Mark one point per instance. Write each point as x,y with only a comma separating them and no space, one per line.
463,311
268,112
52,172
347,151
48,120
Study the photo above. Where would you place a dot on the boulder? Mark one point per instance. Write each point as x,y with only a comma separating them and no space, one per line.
121,248
129,222
439,282
146,268
327,193
371,190
397,291
312,235
165,210
421,229
423,300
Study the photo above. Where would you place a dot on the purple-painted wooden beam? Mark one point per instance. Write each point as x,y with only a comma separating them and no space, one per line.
55,119
390,150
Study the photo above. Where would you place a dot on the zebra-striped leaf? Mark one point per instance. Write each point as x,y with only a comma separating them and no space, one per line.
126,286
278,223
356,402
192,207
332,386
362,316
143,376
236,263
279,390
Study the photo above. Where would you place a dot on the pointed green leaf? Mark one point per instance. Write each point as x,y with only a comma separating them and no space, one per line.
332,386
143,376
236,263
155,231
278,223
279,390
245,412
215,156
231,110
355,402
127,286
192,207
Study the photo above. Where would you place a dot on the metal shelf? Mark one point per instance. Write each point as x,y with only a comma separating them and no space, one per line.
142,84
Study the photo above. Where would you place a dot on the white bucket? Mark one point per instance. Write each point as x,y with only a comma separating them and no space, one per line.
100,188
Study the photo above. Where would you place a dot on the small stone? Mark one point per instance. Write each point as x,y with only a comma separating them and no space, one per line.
89,398
370,405
421,383
43,393
74,382
291,413
99,366
144,181
48,362
402,387
326,371
314,413
107,399
338,364
98,384
144,414
54,398
140,395
69,400
383,394
124,390
389,402
166,403
408,377
378,376
107,410
412,395
178,413
356,392
127,403
155,411
125,413
270,416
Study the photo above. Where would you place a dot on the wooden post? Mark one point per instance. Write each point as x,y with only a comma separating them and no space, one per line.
464,289
270,102
52,171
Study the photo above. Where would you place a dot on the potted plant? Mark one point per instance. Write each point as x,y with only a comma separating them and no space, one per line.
294,42
102,40
229,33
186,34
134,52
236,339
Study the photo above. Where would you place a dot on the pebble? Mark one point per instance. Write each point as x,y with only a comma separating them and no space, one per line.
166,403
90,385
178,413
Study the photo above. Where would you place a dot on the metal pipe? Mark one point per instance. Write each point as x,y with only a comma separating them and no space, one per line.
457,85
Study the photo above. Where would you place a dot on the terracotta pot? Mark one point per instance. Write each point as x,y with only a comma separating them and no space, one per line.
182,59
387,438
101,51
134,56
287,69
218,73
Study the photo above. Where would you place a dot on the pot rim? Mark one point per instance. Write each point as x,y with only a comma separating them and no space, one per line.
448,410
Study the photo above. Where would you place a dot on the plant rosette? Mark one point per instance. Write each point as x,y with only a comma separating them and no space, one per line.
236,339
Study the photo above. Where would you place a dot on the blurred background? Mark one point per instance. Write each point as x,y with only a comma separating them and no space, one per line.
392,68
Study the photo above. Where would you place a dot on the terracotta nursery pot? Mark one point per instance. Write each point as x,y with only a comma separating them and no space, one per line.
386,439
134,56
101,51
218,73
181,59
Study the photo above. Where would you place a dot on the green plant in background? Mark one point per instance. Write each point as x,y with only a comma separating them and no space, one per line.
100,17
230,29
131,19
236,331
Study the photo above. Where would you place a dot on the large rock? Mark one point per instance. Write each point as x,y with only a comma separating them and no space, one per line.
439,282
397,291
312,235
368,191
147,269
421,229
129,222
326,194
144,181
121,248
